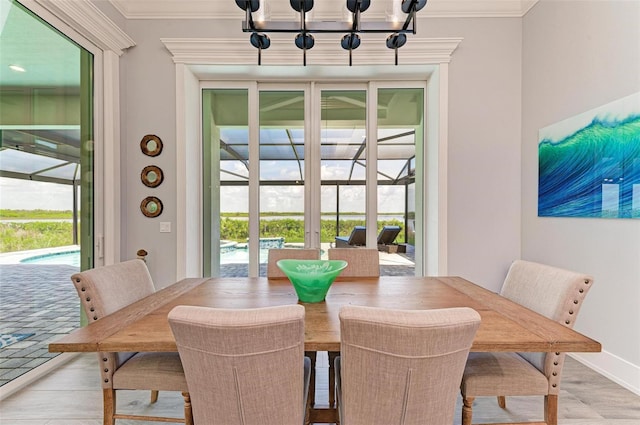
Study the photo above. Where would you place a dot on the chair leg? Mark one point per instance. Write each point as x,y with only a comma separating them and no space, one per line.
188,414
551,409
311,397
108,406
338,393
332,377
467,410
312,377
154,396
502,401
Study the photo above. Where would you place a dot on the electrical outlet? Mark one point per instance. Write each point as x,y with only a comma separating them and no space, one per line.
165,227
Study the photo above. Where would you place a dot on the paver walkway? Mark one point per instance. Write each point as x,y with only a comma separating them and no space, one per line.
38,299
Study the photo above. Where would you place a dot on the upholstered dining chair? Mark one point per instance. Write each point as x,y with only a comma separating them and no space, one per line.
401,366
362,262
104,290
274,272
244,366
275,254
552,292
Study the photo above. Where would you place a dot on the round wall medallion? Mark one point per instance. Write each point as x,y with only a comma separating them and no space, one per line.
151,145
151,176
151,206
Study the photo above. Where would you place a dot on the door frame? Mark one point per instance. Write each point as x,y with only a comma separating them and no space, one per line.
199,59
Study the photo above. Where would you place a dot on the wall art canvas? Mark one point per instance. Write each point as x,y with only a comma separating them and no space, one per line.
589,165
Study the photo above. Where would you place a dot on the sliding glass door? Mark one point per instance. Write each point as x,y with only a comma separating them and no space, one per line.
308,165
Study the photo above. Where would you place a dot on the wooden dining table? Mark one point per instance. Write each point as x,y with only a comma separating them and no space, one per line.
505,325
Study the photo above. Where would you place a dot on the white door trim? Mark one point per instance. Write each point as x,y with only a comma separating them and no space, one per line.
216,59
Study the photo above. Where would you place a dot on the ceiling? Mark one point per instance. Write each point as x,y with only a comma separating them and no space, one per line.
48,58
323,9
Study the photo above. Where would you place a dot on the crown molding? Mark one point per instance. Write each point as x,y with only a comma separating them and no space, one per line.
225,9
91,22
208,51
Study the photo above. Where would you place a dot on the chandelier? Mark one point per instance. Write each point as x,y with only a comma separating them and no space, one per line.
350,28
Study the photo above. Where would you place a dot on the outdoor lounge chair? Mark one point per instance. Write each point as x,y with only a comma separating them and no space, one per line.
358,237
388,234
386,237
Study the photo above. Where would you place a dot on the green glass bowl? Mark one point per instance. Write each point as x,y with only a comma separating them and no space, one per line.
311,278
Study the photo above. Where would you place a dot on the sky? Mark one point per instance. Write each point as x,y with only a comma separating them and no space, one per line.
29,195
16,194
291,198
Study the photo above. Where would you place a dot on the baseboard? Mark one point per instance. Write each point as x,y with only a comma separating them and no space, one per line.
620,371
33,375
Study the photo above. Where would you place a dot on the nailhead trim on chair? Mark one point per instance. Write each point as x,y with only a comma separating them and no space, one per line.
554,378
109,359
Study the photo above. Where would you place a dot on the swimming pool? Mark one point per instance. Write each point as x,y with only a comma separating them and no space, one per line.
70,258
230,254
241,256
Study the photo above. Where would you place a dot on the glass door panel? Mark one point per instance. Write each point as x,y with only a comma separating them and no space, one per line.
47,180
342,164
226,182
400,121
282,162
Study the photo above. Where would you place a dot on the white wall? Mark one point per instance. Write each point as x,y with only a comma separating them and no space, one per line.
148,99
484,146
577,56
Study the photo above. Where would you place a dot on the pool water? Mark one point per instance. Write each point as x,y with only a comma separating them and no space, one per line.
70,258
241,256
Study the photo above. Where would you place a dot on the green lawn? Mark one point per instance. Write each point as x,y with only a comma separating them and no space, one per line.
34,234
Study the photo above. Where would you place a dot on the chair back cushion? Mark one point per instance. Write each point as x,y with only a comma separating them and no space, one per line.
243,366
105,290
275,254
552,292
361,262
402,366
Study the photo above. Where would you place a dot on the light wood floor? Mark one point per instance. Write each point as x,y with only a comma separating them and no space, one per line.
71,396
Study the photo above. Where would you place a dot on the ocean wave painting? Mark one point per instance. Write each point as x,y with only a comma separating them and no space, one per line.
589,165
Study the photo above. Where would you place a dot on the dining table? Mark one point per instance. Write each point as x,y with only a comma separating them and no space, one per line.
505,325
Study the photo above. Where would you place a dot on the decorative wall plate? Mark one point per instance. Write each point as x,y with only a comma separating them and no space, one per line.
151,176
151,206
151,145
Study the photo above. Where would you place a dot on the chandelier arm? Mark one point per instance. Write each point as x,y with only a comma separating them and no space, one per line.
249,19
411,16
